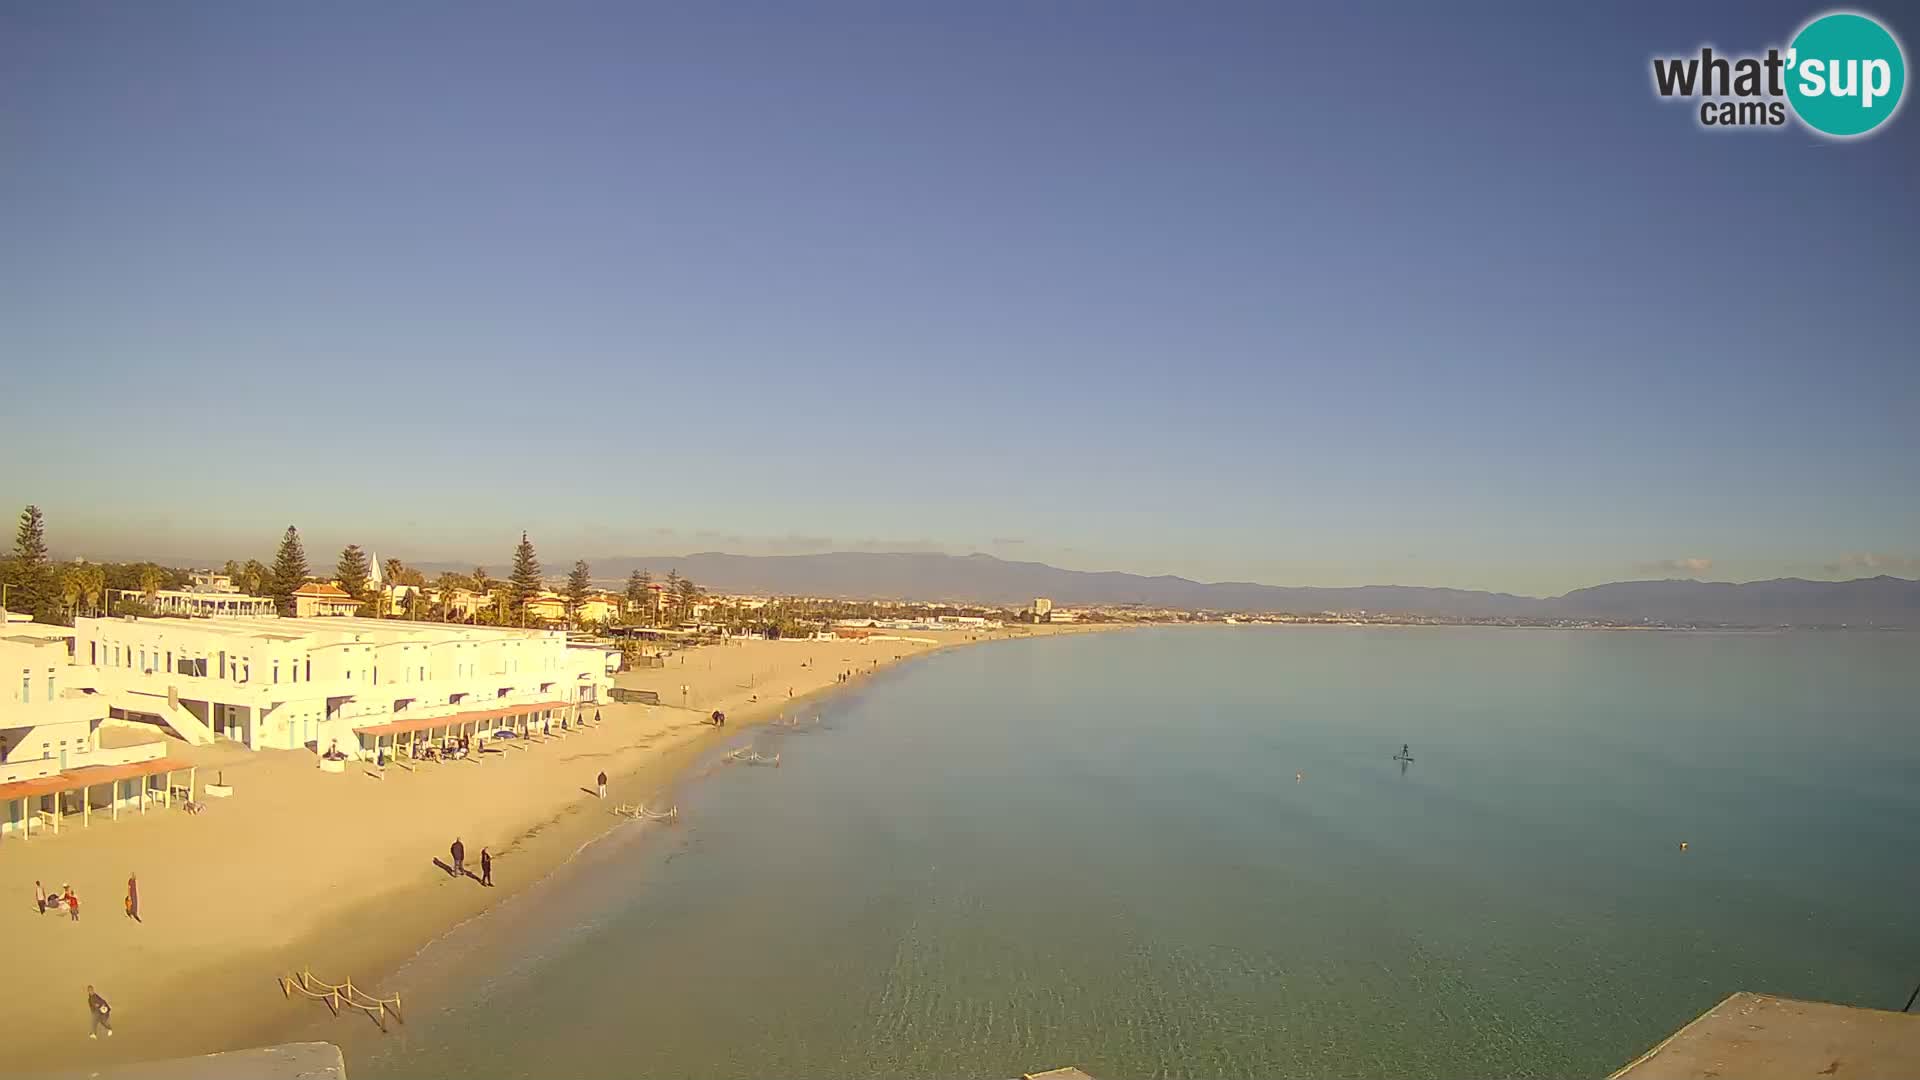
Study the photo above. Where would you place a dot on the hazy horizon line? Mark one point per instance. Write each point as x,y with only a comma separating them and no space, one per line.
558,568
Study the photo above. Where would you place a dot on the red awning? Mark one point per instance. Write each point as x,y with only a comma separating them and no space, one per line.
75,779
421,723
39,785
107,774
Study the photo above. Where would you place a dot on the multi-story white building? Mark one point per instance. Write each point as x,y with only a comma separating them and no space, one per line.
46,720
314,682
53,757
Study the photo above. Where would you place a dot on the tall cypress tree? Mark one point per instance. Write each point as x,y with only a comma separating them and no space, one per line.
579,584
689,595
526,575
31,578
353,571
289,570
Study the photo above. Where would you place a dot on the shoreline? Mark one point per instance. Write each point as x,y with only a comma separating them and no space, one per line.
348,897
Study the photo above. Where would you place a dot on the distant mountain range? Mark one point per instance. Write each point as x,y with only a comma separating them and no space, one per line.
1878,601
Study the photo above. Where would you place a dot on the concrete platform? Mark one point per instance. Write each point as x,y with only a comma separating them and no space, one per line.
1756,1037
290,1061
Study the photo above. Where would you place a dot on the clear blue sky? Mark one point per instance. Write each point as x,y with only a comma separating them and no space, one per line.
1428,294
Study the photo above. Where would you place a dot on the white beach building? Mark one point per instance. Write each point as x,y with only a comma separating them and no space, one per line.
286,683
58,755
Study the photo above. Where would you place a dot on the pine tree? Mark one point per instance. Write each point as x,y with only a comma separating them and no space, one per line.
28,573
354,573
525,578
579,584
289,570
671,597
636,591
688,594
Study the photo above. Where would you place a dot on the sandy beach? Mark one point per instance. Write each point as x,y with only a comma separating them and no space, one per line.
337,871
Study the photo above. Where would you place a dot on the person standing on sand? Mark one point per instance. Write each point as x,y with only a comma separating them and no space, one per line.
133,898
603,785
40,896
459,853
73,904
100,1011
486,868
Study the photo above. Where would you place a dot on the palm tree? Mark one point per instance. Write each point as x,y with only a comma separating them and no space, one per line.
447,584
93,585
394,568
252,577
150,581
73,585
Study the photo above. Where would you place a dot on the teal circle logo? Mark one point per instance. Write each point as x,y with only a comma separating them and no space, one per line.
1845,74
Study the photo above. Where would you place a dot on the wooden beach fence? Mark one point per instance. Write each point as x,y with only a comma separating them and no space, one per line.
338,995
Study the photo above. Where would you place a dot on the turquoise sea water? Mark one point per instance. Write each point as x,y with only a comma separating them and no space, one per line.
1094,850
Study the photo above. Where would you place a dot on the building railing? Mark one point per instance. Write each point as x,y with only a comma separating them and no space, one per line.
120,755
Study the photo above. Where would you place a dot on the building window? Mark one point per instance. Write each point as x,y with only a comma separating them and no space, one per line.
49,684
26,687
276,672
309,670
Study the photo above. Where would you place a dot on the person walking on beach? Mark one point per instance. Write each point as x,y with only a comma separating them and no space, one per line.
40,896
73,904
603,784
100,1011
133,898
486,868
459,853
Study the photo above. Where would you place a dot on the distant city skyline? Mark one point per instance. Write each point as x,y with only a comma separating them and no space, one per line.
1305,296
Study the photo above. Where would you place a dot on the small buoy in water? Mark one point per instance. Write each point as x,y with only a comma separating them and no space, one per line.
1683,845
1299,776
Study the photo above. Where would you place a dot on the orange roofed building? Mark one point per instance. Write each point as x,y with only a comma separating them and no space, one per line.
316,598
